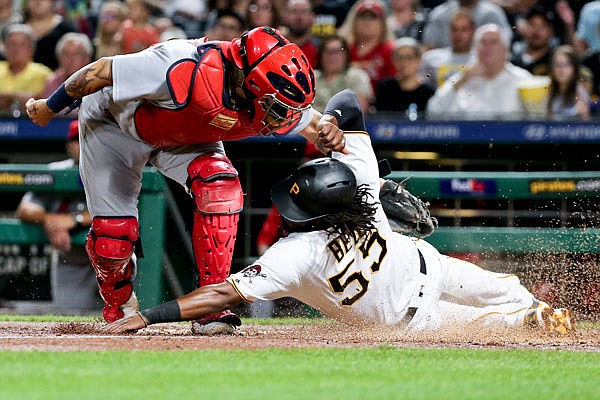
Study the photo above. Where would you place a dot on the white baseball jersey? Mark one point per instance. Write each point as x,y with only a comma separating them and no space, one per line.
377,279
372,280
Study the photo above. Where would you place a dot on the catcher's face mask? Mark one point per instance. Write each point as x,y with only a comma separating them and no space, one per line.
276,116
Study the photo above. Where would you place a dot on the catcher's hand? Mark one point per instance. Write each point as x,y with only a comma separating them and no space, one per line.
406,213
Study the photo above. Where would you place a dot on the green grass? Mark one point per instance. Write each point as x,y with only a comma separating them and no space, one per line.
374,373
380,373
47,318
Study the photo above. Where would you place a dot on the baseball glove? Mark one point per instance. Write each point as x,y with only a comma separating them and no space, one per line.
406,213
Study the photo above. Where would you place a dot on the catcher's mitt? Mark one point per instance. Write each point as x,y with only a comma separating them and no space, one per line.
406,213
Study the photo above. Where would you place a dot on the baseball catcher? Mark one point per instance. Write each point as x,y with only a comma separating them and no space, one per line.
172,105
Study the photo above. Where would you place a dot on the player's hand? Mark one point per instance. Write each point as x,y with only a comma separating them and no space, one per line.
330,136
57,228
132,323
39,112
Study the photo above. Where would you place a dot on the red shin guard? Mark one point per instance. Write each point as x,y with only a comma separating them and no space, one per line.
110,245
218,196
214,239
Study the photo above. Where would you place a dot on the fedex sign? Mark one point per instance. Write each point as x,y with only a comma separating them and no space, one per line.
468,186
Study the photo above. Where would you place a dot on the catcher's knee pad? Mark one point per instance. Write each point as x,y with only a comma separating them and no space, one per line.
218,197
110,245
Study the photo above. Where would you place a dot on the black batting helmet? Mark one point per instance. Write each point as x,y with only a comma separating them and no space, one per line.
318,188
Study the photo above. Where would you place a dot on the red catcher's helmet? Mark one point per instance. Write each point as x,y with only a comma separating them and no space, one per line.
278,78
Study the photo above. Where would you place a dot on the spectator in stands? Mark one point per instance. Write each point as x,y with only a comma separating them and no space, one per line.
74,51
568,98
405,90
190,16
588,29
564,21
228,25
112,15
137,32
214,6
20,77
564,24
7,17
587,80
438,64
297,20
262,13
436,29
534,53
370,47
329,16
592,62
514,8
406,19
487,88
77,13
73,280
334,73
48,27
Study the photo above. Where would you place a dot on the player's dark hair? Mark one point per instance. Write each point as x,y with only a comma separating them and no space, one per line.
355,221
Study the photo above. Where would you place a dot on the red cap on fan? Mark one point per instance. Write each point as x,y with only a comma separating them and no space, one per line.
373,7
73,133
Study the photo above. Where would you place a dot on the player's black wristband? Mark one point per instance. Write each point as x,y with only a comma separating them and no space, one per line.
60,99
166,312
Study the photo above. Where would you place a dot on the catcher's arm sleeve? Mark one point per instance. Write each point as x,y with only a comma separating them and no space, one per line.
345,107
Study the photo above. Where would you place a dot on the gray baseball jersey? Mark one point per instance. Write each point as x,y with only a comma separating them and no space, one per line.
112,152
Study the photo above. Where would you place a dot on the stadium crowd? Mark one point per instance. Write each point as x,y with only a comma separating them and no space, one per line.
405,57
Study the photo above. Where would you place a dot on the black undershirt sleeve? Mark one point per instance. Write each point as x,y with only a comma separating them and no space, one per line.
344,106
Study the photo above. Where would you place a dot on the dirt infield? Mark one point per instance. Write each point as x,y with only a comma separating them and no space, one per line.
28,336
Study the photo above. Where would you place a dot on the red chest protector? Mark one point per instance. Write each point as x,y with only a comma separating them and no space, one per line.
197,89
